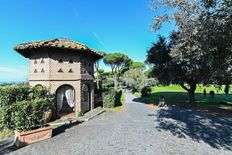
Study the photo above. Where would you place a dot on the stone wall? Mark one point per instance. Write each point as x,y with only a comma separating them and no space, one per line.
55,68
39,65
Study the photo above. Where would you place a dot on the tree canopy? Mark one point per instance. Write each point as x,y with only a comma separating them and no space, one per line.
200,50
139,65
117,61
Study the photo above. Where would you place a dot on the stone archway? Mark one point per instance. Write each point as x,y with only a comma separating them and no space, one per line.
65,99
86,98
38,85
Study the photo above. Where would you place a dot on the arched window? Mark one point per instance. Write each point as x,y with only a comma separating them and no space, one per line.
35,71
38,85
35,62
42,70
42,61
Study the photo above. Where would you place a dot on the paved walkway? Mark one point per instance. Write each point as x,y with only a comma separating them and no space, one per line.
141,130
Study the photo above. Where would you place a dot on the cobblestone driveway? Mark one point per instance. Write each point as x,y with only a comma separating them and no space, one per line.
141,130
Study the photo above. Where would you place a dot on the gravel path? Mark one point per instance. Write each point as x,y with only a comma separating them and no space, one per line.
141,130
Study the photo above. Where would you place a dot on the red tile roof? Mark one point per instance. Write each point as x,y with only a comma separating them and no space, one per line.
55,43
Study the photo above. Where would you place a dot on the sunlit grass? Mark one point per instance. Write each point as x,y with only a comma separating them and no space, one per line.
5,133
175,95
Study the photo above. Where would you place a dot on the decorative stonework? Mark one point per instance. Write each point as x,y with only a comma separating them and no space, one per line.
60,71
70,71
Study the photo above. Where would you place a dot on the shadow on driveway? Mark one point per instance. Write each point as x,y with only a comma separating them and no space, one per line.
7,146
183,123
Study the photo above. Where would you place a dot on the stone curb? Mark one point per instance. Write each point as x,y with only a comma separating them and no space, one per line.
91,117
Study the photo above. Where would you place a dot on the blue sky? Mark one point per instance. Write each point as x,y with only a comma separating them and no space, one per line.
106,25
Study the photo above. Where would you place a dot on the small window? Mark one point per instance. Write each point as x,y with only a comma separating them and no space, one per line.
35,62
71,61
60,61
60,70
42,61
70,71
42,70
35,71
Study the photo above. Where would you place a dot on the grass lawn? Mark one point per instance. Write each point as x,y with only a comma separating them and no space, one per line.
175,95
5,133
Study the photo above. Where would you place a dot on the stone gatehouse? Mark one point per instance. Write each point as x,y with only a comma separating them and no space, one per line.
64,66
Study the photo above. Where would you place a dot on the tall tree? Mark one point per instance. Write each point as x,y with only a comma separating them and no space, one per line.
197,47
158,56
97,67
139,65
116,61
222,55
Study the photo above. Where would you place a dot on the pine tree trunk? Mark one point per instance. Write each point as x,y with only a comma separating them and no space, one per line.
115,81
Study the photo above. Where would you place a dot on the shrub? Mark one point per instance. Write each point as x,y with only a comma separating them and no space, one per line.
108,98
13,93
118,98
106,84
145,91
39,92
25,115
24,109
111,98
211,93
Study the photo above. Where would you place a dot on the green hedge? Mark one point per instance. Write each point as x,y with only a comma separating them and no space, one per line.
111,98
24,109
12,94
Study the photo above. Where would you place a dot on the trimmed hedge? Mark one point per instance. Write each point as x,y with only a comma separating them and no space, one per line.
25,108
12,94
111,98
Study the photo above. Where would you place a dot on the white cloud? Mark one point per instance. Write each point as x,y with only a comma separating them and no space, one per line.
99,39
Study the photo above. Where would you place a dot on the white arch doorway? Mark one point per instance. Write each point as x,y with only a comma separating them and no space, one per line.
65,99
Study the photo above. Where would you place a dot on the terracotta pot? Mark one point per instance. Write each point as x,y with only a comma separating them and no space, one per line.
47,116
33,136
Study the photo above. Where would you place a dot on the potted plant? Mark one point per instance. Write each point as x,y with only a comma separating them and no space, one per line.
26,110
33,136
29,123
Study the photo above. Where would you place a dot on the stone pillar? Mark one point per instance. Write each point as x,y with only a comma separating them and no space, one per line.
92,95
78,97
